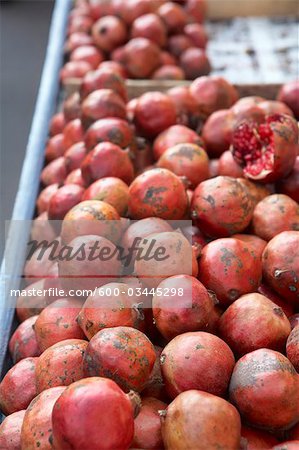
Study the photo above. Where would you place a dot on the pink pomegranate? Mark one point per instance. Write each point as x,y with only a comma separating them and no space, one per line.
150,26
10,431
63,200
55,172
109,32
23,343
55,147
87,53
113,130
141,57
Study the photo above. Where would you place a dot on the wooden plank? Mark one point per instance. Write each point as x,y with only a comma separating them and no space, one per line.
14,255
225,9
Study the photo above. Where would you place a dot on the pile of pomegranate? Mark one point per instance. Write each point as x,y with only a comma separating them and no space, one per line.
214,365
156,39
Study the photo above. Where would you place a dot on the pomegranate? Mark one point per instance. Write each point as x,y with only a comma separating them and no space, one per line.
147,425
178,43
196,360
60,364
122,354
197,33
195,63
275,107
29,305
188,308
107,160
40,262
103,78
74,156
57,124
187,160
57,322
293,347
91,217
274,214
257,243
23,343
74,69
79,24
217,132
158,193
44,197
196,9
290,185
88,399
169,73
173,15
213,93
261,382
76,40
73,133
110,190
167,59
176,134
289,94
93,271
253,439
10,431
287,308
198,418
116,68
112,130
108,33
221,206
100,9
228,166
55,147
100,104
87,53
230,268
37,425
18,386
273,147
114,307
54,172
150,26
281,265
141,57
154,113
257,191
254,322
63,200
72,107
187,110
75,177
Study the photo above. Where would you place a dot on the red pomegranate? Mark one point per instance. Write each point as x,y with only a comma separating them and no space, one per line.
141,57
151,27
253,439
290,185
173,15
197,33
196,360
114,307
44,197
123,354
100,104
186,160
293,347
147,425
187,309
289,94
75,177
54,172
79,24
168,254
196,9
74,69
72,107
230,268
287,308
217,132
274,214
281,265
199,417
18,386
55,147
73,132
221,207
76,40
254,322
63,200
157,193
154,113
57,322
103,78
169,73
107,160
178,43
273,147
10,431
116,67
57,124
87,399
261,382
195,63
91,217
176,134
187,110
23,343
275,107
256,191
257,243
228,166
111,190
87,53
112,130
108,33
213,93
37,425
74,156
